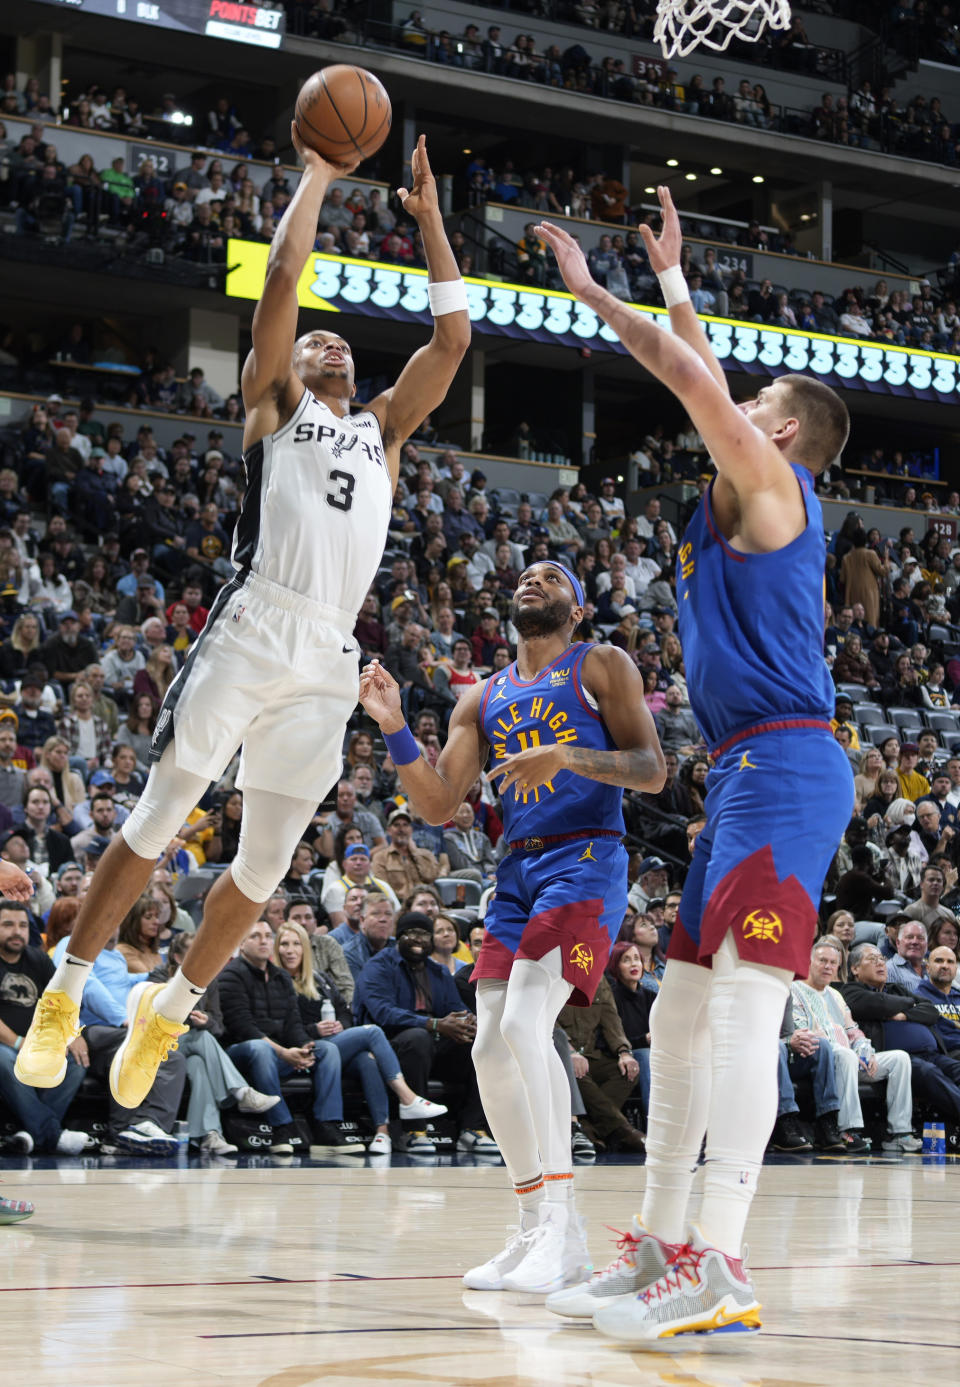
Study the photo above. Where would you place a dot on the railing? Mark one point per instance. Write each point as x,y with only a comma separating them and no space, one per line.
553,69
814,59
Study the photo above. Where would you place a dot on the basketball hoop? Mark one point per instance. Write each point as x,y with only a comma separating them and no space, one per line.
683,25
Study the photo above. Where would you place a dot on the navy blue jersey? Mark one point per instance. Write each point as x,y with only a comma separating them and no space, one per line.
516,715
752,625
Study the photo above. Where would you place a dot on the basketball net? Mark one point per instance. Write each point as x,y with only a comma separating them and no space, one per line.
683,25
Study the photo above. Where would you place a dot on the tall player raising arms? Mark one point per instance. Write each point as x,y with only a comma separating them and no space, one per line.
750,593
569,729
276,664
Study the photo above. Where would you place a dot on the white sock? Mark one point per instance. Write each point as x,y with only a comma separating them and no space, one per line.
560,1188
178,998
679,1097
529,1196
70,977
745,1011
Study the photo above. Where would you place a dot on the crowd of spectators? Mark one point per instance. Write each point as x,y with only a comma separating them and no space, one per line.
92,107
378,908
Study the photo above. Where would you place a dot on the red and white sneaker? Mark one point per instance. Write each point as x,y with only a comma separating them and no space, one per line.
701,1291
642,1260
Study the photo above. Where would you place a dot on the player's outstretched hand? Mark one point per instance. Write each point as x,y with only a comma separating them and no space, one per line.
380,696
422,197
14,884
528,770
570,258
309,158
664,251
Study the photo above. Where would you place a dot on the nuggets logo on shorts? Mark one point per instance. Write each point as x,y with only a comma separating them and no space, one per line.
763,925
582,957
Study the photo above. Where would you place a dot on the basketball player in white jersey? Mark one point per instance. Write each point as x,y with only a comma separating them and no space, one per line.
276,666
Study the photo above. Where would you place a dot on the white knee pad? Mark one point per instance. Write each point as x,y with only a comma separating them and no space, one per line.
169,796
272,827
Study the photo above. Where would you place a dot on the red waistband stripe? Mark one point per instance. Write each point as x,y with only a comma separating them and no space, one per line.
549,840
774,725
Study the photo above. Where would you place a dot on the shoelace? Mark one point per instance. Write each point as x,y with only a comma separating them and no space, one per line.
626,1246
684,1265
518,1238
50,1012
165,1045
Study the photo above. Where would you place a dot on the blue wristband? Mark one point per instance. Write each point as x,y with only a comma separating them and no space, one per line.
402,746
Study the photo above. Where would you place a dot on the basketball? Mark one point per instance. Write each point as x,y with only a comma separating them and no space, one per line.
343,113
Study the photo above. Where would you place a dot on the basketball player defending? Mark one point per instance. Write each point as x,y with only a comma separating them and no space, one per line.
275,667
750,594
569,729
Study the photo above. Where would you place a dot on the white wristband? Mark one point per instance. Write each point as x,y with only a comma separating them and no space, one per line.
673,286
448,297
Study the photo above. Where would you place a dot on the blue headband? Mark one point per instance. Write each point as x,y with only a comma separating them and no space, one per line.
574,580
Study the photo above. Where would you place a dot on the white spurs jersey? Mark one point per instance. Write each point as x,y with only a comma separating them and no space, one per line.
317,505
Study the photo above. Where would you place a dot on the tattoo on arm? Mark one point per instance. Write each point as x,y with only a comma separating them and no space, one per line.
635,769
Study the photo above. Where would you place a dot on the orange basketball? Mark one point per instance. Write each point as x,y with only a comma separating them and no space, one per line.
343,113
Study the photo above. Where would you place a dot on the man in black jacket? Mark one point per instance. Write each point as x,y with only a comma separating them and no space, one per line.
268,1041
893,1018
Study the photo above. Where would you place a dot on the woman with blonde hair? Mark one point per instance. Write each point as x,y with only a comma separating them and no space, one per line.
140,934
23,642
671,652
86,734
364,1050
865,780
68,788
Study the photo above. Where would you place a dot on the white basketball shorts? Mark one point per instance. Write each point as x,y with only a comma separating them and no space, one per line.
271,671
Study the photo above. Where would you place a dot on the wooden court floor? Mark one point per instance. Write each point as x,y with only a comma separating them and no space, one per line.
343,1274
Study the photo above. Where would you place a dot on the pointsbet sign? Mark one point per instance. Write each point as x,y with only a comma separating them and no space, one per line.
338,284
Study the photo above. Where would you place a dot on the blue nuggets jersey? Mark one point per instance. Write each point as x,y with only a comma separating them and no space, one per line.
752,625
516,715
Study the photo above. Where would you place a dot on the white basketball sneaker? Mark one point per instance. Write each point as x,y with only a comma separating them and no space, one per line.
701,1291
556,1256
642,1260
489,1275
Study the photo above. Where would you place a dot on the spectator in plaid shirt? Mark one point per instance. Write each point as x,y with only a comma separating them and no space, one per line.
85,733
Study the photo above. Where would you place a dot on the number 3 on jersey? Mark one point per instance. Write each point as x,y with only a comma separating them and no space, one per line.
342,498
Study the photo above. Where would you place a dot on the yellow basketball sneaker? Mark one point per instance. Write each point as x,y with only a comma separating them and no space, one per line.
42,1058
149,1040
